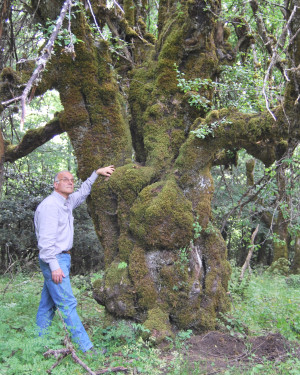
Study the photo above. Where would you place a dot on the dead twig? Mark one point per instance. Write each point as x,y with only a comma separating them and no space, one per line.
69,350
64,352
60,354
41,63
247,261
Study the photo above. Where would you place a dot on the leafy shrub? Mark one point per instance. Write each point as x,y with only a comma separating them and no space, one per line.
280,267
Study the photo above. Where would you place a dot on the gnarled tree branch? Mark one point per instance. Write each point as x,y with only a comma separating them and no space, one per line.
32,140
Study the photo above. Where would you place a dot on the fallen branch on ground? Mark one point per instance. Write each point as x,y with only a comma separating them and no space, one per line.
60,354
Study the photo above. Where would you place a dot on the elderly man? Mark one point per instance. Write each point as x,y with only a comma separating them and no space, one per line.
54,230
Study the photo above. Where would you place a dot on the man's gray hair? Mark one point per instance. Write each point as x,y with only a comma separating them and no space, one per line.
56,176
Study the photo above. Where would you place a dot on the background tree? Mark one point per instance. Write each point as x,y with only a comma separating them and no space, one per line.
154,107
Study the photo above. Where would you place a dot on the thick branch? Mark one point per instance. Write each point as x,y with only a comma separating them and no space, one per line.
259,134
32,140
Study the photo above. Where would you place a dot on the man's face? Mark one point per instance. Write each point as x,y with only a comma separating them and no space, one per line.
65,185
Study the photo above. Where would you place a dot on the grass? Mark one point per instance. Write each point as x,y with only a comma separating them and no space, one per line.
265,303
21,350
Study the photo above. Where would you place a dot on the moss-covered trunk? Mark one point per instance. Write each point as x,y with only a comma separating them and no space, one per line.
165,262
145,214
172,276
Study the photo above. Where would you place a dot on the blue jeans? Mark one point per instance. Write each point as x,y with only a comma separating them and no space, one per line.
61,296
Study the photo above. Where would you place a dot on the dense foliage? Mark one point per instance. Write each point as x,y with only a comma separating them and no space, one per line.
239,207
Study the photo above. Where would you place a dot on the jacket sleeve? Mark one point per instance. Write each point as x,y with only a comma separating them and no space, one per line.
85,189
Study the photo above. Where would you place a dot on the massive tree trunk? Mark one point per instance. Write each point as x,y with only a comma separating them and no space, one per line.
144,215
151,211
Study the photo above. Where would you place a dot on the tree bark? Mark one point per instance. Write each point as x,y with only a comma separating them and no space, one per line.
4,15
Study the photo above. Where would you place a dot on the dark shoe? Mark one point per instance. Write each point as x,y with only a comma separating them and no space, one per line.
94,352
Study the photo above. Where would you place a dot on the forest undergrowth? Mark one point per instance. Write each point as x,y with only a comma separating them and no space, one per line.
260,335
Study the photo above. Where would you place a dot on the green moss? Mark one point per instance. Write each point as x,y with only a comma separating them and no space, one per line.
166,79
125,246
193,175
174,286
226,33
129,9
162,216
150,38
216,255
128,180
125,184
280,249
157,139
9,75
250,164
130,32
139,274
116,291
98,284
97,129
177,138
202,65
170,53
115,275
159,325
142,25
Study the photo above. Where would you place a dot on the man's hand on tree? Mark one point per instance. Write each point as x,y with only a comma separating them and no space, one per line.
57,276
106,171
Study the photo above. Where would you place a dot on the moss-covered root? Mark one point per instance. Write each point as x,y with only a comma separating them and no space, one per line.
158,324
116,292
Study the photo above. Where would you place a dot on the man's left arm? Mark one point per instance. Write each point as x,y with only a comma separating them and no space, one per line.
81,194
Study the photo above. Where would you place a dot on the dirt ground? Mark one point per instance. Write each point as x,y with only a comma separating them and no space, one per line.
215,351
